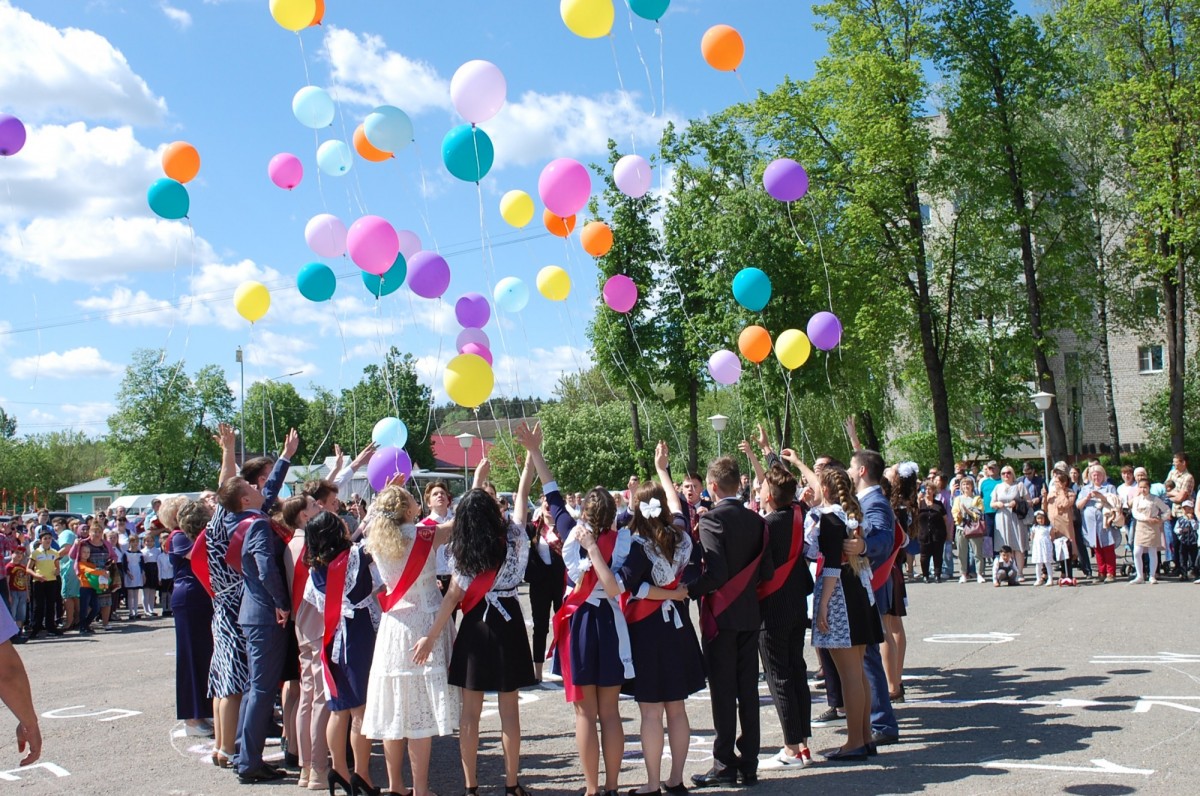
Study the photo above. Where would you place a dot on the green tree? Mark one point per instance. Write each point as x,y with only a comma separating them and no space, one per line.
8,425
589,445
273,407
33,469
390,390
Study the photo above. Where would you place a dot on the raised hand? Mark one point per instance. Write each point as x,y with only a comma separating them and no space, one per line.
662,457
789,456
225,436
529,438
744,447
341,457
363,456
291,444
760,437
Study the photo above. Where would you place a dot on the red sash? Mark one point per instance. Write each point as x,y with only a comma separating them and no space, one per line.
562,619
880,576
233,555
200,562
637,610
335,587
299,579
773,585
417,556
716,603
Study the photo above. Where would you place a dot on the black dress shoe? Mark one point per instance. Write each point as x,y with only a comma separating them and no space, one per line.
883,739
264,774
849,754
716,776
748,777
676,790
872,750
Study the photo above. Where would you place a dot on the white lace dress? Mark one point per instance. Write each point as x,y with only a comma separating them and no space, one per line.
404,699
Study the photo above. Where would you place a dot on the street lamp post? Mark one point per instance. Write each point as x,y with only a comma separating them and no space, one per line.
266,392
1043,401
465,440
242,368
718,423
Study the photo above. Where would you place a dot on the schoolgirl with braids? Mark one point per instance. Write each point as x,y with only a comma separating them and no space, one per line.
846,620
901,489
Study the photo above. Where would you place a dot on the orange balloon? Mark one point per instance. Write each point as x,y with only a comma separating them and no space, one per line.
320,15
755,343
562,227
596,238
366,149
722,48
181,161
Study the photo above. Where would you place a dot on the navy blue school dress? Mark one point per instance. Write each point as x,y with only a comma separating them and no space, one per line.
354,639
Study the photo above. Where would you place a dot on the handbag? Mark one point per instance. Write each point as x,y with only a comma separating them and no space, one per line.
1021,509
973,529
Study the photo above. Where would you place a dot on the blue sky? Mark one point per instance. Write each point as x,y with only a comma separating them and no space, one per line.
102,85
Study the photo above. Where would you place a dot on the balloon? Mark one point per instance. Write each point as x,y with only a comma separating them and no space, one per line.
588,19
725,367
755,343
428,274
386,465
596,238
294,15
388,129
285,170
722,48
825,330
752,289
468,380
564,186
785,180
313,107
316,282
252,300
319,14
792,348
12,135
562,227
379,286
478,90
168,198
632,176
652,10
483,352
366,149
390,432
372,244
516,208
554,283
468,153
477,336
410,242
472,311
325,234
181,161
334,158
620,293
511,294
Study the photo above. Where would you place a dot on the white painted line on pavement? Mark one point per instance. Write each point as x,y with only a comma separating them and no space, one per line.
972,638
61,713
1097,767
11,774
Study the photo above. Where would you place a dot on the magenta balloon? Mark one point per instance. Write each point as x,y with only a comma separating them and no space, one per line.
825,331
326,235
620,293
564,187
372,244
428,274
632,176
785,180
725,367
385,465
285,170
470,335
472,311
483,352
410,242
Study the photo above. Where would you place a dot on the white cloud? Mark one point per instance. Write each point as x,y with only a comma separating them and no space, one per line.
365,72
126,307
49,73
536,374
72,364
181,18
275,354
86,413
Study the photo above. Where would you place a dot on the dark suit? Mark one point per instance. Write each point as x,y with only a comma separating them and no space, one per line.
878,529
732,537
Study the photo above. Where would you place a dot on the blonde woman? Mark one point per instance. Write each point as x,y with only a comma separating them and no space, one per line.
967,510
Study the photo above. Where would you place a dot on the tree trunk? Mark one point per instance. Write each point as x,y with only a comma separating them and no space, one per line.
639,444
1110,406
869,436
1176,340
693,451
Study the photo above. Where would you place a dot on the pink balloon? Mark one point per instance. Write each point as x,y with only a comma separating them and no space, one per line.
620,293
410,242
428,274
373,244
476,336
564,187
285,170
326,235
725,367
478,90
479,351
632,176
472,311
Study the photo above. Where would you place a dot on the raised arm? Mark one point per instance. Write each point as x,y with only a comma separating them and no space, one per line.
852,433
531,440
228,442
759,472
481,472
521,499
662,463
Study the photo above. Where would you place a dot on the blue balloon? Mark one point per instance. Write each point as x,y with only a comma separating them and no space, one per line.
334,157
316,282
168,198
649,9
313,107
390,282
390,433
388,129
511,294
468,153
752,289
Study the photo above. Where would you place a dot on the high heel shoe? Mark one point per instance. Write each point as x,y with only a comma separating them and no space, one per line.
358,786
336,780
516,790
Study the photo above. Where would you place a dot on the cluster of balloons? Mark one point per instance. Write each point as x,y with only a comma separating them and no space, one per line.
12,135
167,196
387,465
593,19
478,91
296,15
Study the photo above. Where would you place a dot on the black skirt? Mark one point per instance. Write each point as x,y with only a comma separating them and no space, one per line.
491,653
668,665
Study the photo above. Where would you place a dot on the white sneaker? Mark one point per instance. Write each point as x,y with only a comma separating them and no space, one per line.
1153,581
962,578
1138,580
786,759
980,579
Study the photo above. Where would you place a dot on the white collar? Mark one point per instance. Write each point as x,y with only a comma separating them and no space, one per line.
862,493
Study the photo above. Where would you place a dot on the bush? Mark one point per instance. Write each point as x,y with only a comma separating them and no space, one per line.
920,447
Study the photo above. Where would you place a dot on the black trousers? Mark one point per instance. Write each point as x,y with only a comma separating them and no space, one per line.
933,550
732,662
43,594
782,653
545,597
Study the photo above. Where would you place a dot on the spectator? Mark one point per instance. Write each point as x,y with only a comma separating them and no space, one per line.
1007,500
968,516
1005,572
43,571
18,591
1098,505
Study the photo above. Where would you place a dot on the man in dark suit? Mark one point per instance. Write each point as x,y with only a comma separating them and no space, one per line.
878,532
736,558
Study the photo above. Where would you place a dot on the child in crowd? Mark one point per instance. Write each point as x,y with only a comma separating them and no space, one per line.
18,591
166,574
133,576
1186,532
1004,572
45,589
151,553
1041,549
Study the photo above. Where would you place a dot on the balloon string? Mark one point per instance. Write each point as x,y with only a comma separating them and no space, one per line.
833,400
766,403
662,68
303,59
612,43
352,197
320,183
741,409
820,249
437,363
742,83
382,348
645,66
666,409
424,195
341,382
485,252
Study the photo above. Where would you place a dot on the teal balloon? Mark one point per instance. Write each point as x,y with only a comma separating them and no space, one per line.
390,282
511,294
649,9
388,129
316,282
468,153
752,289
168,199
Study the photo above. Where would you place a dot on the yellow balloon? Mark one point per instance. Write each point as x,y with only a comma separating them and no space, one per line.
468,380
516,208
792,347
554,283
589,19
294,15
252,300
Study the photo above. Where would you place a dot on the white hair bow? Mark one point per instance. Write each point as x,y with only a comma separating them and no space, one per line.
907,469
651,509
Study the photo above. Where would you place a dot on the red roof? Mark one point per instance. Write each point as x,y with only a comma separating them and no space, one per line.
449,453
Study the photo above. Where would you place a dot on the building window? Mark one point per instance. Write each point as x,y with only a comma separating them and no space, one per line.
1150,359
100,504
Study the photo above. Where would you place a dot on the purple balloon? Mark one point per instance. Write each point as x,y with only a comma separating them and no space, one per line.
725,367
469,335
785,180
326,235
564,186
12,135
620,293
428,274
285,170
410,242
825,330
385,465
632,176
483,352
472,311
